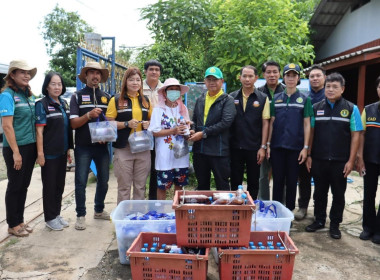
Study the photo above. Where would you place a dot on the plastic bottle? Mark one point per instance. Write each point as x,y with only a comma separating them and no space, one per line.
194,198
238,200
224,200
182,121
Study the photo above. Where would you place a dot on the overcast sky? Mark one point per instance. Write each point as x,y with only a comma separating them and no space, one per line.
21,39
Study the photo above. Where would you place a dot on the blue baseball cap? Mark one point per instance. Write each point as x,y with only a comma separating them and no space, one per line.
291,67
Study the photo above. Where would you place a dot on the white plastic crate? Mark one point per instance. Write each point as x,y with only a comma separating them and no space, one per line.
128,230
281,223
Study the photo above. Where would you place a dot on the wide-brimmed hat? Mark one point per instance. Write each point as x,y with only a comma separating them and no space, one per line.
23,65
173,82
93,65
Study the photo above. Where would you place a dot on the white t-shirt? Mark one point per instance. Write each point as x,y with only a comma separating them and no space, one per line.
165,119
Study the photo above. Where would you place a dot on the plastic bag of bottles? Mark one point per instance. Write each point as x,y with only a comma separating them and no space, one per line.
140,141
181,147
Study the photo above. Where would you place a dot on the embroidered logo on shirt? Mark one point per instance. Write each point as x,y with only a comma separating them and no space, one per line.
344,113
299,100
320,112
51,108
125,105
104,100
17,99
371,119
278,101
86,98
256,104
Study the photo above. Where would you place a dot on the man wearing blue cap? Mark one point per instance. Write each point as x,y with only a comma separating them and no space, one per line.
289,133
213,115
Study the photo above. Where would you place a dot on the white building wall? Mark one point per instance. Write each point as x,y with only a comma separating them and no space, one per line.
356,28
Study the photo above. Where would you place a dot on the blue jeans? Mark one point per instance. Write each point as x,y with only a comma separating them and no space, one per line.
83,157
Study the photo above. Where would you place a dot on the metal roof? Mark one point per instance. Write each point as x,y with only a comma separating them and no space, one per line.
326,17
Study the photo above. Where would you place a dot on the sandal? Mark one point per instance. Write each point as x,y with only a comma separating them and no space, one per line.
21,232
27,228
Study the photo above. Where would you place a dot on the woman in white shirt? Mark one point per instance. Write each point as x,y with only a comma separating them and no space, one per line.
169,124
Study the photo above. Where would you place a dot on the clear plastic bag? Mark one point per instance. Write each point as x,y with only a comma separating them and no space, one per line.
104,131
140,141
180,148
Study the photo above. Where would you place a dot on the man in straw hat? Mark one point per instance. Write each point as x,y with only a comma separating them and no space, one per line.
86,106
213,115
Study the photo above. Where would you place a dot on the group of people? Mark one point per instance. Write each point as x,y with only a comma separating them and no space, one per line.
271,130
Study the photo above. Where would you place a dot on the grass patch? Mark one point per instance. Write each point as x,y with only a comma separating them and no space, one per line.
11,242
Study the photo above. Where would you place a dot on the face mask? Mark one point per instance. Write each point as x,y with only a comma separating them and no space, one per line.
173,95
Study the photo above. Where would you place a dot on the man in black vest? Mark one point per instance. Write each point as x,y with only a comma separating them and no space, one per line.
369,167
249,131
317,79
86,106
333,147
271,73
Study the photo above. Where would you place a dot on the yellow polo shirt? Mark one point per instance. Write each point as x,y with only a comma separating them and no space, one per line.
209,101
266,110
136,110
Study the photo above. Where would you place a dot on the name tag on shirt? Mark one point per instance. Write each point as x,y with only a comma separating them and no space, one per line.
320,112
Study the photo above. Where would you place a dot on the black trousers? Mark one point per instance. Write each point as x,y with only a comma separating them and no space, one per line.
328,173
220,167
53,175
285,173
18,182
245,159
304,186
153,176
371,221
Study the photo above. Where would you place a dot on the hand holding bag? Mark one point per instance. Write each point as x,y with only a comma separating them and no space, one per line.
180,148
140,141
103,131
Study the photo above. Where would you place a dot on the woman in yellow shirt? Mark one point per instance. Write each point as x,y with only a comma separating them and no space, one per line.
132,111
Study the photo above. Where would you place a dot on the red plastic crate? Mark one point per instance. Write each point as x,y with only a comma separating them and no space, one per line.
259,264
212,225
149,266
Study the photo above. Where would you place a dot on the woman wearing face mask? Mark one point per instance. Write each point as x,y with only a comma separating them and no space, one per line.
168,127
19,150
132,111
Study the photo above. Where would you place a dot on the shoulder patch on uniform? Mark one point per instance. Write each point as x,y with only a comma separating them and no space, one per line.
104,100
86,98
256,104
344,113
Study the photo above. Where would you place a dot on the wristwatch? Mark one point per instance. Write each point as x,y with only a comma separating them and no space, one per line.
263,147
126,124
306,147
204,134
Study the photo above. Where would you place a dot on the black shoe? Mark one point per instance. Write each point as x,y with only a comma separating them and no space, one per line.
335,233
314,226
365,235
376,238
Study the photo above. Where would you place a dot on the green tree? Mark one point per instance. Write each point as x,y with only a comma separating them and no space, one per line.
124,53
268,29
62,32
176,62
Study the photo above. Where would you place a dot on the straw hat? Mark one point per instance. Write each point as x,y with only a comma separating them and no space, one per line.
93,65
173,82
23,65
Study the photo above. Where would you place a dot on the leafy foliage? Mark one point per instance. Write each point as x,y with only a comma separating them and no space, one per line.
176,62
267,30
231,33
62,32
